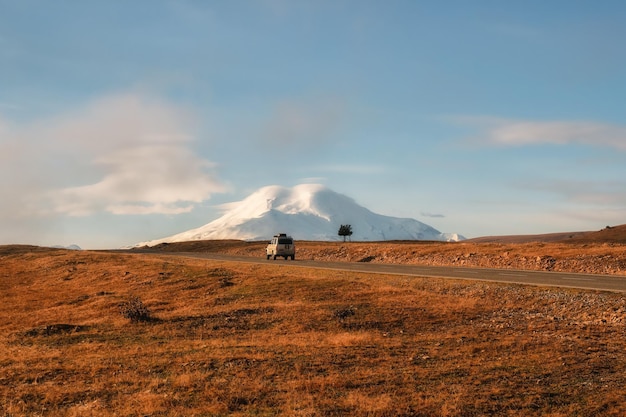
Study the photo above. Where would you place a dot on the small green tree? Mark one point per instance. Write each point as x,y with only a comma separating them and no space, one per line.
345,230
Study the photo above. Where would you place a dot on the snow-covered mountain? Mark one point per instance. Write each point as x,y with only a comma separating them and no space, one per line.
306,212
70,247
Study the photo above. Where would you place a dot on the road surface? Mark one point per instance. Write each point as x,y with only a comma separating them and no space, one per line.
613,283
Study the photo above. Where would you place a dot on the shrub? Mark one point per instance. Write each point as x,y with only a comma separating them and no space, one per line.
135,310
344,313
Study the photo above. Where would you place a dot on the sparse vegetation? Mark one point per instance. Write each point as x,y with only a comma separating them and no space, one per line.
246,339
135,310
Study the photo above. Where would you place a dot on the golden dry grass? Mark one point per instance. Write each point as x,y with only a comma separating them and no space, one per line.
586,256
243,339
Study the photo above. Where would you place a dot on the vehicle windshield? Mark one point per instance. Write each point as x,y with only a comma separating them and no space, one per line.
285,241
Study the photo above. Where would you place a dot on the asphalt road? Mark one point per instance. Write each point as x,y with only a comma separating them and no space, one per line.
613,283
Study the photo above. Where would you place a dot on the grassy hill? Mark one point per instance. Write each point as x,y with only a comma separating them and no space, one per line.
610,234
113,334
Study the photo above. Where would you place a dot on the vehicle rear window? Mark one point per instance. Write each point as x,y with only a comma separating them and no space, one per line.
285,241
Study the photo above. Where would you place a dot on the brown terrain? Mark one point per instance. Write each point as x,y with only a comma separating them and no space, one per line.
602,252
94,333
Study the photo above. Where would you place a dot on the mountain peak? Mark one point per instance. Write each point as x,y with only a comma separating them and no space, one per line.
307,212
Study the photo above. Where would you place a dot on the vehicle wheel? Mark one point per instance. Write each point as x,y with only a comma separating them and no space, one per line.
268,256
293,257
274,257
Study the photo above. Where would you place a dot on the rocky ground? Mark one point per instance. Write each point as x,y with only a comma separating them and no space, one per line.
602,260
583,257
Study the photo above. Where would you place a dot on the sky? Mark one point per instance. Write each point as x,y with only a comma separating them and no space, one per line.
126,121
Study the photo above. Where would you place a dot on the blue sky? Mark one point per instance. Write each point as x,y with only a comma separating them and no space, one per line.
125,121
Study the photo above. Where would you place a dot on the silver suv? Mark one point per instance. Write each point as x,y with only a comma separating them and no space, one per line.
281,245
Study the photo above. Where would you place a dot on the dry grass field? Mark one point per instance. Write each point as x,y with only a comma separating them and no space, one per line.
602,252
127,334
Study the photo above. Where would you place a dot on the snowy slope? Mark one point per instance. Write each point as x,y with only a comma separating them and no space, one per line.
70,247
307,212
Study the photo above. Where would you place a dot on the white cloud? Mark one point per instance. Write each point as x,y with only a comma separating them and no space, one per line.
123,154
527,132
433,215
303,122
120,121
585,193
142,180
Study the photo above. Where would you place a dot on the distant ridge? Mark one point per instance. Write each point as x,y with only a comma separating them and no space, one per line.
307,212
610,234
